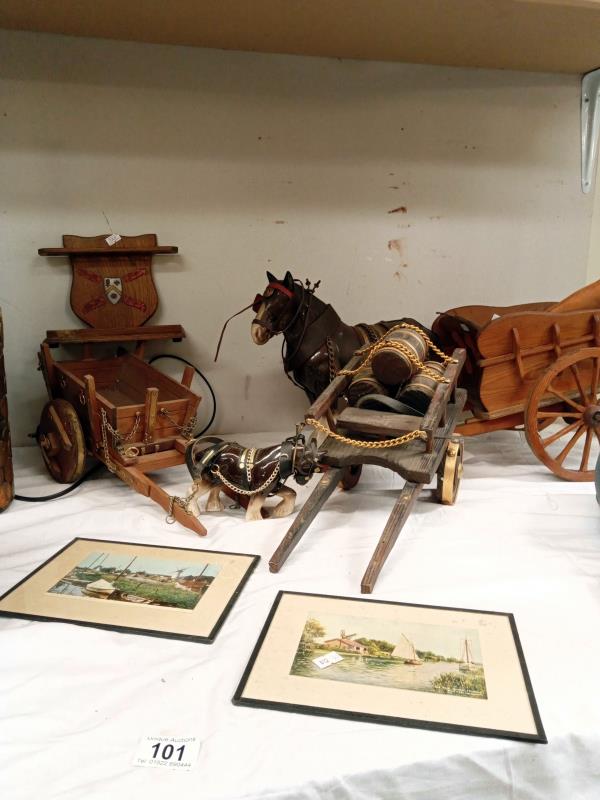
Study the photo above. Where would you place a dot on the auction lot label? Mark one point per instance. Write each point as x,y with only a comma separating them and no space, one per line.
167,752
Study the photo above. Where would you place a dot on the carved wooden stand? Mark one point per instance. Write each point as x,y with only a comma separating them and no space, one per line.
417,462
120,409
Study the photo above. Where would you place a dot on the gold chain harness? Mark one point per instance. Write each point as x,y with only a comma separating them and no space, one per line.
369,351
383,341
118,439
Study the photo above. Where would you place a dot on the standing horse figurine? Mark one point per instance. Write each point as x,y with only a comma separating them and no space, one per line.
250,475
317,343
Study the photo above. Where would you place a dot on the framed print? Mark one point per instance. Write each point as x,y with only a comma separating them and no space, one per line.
448,669
173,592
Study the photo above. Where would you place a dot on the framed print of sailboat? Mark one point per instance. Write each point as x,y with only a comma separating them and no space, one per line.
174,592
447,669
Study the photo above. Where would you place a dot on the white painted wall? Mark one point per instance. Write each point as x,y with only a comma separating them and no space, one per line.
249,162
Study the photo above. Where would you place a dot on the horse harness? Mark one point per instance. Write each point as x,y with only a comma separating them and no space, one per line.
283,468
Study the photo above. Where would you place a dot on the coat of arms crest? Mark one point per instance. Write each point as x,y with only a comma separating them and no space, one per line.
112,284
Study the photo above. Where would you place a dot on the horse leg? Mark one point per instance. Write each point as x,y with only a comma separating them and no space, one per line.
214,502
254,509
198,488
286,504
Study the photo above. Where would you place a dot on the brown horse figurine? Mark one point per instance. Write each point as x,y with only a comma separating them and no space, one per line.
317,343
249,475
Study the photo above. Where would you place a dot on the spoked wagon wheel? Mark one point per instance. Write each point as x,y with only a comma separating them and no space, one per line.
61,440
449,473
570,448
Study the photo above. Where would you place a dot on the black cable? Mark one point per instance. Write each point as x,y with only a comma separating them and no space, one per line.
55,496
203,377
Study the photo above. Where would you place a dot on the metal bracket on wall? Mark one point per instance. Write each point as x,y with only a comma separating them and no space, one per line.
590,127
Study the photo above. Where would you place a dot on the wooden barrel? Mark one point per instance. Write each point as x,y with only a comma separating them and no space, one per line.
364,382
419,391
393,367
6,471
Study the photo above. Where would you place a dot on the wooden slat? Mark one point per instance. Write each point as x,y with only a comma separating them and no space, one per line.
135,477
400,513
474,426
83,335
150,411
92,408
377,423
442,394
102,251
410,461
154,461
305,516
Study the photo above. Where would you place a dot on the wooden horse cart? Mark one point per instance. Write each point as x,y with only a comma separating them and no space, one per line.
416,448
116,408
538,366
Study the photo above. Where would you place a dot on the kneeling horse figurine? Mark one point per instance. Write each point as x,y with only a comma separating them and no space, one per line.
249,475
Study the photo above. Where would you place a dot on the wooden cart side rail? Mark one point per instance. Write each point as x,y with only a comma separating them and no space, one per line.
411,461
523,352
131,371
108,335
496,339
441,396
329,395
519,352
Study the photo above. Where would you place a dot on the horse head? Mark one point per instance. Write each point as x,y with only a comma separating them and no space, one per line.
302,455
275,308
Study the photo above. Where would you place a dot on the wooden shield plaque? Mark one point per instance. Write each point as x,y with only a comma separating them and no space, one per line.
113,287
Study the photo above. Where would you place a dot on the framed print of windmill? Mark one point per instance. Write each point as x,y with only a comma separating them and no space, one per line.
447,669
174,592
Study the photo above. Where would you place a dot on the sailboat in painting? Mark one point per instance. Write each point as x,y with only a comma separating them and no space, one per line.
466,658
405,649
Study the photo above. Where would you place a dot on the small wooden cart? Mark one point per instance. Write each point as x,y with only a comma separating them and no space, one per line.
436,451
118,409
534,366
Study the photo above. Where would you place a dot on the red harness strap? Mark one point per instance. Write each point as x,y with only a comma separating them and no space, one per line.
279,287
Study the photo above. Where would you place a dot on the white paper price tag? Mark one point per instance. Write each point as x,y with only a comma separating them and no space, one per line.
327,660
168,752
112,239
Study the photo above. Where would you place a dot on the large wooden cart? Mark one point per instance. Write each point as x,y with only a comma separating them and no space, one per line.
117,407
537,367
434,451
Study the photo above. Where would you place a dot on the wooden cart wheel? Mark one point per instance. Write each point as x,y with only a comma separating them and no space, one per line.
572,379
61,440
350,477
450,473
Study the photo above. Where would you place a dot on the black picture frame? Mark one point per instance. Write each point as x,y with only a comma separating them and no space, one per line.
239,700
208,639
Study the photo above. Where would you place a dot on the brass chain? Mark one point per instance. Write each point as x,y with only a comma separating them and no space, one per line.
107,459
370,350
376,445
330,359
186,430
118,439
182,502
247,492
